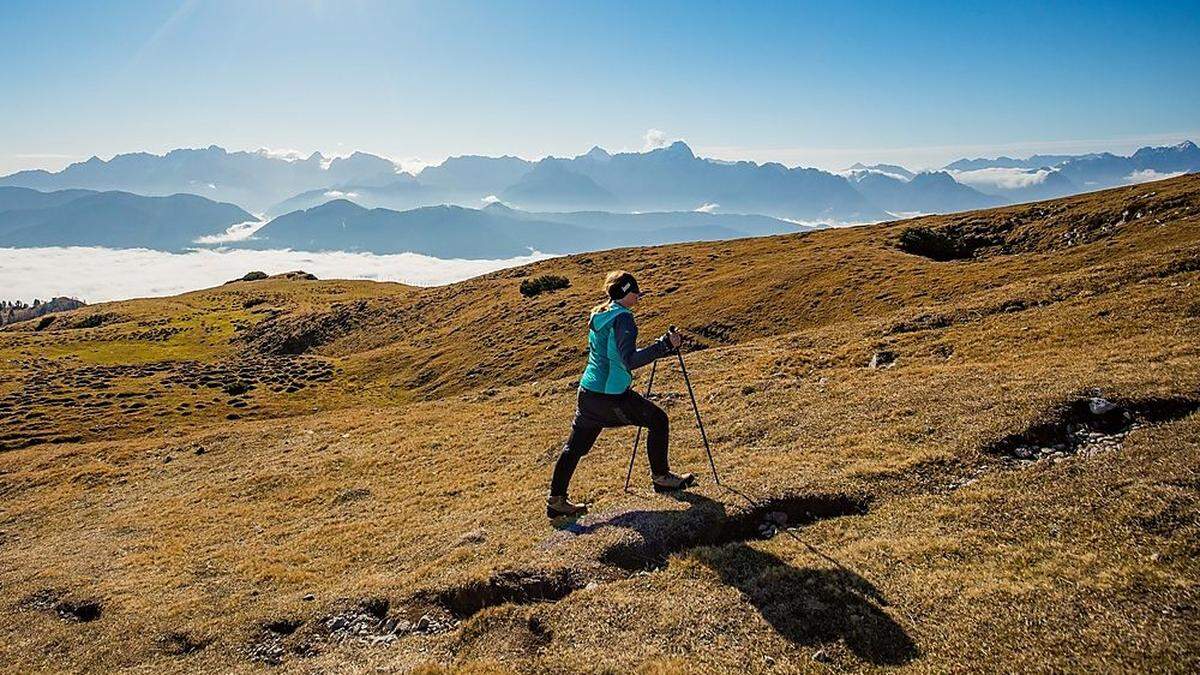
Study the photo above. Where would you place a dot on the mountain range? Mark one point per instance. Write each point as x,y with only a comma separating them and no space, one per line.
112,219
253,180
1049,176
496,231
110,202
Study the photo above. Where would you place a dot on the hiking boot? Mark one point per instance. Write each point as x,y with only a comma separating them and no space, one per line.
672,483
560,506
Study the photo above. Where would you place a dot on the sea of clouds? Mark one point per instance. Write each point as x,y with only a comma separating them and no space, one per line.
997,178
100,274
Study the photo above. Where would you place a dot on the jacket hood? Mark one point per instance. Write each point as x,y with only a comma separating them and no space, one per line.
601,320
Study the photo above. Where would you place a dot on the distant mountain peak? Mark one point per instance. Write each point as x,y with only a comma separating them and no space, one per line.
679,148
597,153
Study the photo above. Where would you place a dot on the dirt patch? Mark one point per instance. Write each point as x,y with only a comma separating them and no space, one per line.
768,517
73,610
272,642
1090,425
178,643
509,587
297,334
942,245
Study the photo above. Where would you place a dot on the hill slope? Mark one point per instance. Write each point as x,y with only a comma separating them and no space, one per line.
349,475
114,219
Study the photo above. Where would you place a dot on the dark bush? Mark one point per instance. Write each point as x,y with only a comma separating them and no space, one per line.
546,282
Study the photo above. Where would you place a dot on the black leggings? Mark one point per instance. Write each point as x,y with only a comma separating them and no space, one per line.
599,411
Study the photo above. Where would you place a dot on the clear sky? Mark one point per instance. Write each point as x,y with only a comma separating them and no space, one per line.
814,84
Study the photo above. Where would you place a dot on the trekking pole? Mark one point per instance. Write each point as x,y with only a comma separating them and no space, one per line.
638,437
696,409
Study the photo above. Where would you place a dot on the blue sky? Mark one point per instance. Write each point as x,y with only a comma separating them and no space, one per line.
814,84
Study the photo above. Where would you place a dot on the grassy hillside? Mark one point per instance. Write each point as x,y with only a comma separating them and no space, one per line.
349,475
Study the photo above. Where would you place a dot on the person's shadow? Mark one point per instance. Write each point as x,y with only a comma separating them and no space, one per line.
809,606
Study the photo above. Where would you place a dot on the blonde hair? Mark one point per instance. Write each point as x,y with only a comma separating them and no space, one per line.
610,280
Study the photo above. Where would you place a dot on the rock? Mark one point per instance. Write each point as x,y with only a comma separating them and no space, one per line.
423,623
1101,406
882,359
310,597
473,537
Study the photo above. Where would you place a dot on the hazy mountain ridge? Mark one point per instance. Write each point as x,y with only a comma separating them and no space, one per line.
667,179
113,219
496,231
254,180
926,192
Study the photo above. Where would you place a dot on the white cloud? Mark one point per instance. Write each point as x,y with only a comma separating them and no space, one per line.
828,223
338,194
287,154
114,274
411,165
707,207
1147,175
491,199
1000,178
235,232
854,174
654,139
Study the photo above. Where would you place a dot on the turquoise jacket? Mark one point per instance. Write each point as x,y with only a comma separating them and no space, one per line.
613,353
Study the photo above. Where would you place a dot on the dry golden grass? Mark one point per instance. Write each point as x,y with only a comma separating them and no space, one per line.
403,483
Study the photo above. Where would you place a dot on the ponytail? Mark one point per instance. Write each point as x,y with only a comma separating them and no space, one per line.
610,280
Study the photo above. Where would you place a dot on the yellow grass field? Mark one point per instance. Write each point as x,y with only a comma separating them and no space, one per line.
346,476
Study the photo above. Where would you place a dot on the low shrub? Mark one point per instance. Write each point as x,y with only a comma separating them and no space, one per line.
546,282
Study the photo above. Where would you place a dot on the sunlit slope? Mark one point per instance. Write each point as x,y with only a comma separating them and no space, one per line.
958,508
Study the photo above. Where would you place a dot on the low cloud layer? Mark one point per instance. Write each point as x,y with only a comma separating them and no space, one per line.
707,207
103,274
1147,175
235,232
1001,179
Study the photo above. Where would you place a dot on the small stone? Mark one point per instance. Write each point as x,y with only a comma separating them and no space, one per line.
768,660
423,623
200,450
167,459
1101,406
310,597
882,359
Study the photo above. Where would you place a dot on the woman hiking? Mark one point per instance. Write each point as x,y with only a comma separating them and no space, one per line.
606,399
